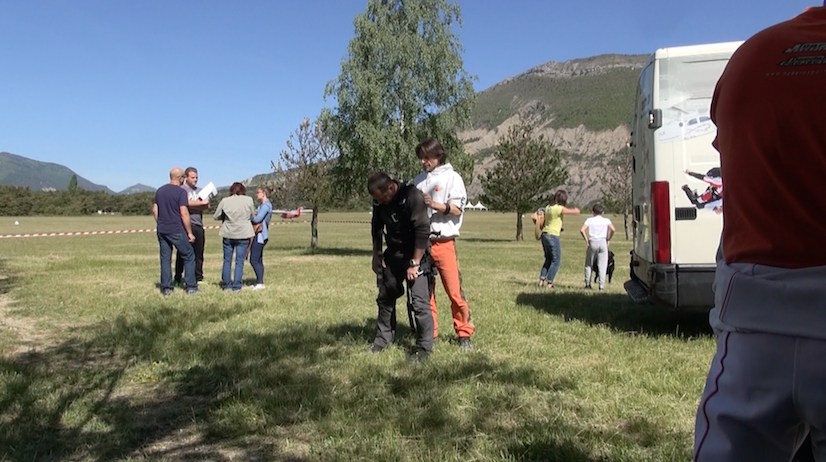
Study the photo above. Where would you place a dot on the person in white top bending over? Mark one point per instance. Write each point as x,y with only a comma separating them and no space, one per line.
600,230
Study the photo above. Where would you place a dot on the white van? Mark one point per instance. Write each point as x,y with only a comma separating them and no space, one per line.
677,189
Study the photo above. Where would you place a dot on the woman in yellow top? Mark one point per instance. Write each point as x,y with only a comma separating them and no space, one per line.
550,237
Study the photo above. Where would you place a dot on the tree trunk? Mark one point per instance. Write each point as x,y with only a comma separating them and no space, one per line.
625,223
314,228
519,226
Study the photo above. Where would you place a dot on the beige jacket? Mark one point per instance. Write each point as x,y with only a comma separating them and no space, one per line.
237,213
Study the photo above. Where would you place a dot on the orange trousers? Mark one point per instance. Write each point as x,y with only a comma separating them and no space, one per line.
447,264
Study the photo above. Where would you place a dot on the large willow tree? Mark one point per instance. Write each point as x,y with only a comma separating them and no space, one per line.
402,81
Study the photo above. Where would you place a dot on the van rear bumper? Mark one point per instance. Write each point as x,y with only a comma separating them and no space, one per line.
680,286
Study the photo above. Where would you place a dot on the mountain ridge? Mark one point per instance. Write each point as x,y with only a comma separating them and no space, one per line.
137,188
17,170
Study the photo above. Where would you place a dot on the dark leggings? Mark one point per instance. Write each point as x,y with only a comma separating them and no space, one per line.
257,260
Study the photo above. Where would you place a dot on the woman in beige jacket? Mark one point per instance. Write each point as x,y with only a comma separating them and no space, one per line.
236,213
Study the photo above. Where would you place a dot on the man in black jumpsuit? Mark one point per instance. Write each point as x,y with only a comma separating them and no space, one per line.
400,212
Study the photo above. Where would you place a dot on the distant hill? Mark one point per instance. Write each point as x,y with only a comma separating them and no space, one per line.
596,92
21,171
584,106
138,188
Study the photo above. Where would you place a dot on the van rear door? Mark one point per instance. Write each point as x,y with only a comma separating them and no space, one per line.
686,87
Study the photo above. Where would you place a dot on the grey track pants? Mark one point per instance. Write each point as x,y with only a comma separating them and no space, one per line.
597,249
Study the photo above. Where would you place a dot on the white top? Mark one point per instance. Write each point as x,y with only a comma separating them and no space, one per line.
597,227
445,186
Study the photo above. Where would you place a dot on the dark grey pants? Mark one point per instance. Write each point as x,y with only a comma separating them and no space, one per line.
391,287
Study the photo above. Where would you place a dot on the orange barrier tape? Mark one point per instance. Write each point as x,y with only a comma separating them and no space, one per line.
122,231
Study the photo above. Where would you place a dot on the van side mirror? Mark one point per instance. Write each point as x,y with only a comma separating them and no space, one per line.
655,119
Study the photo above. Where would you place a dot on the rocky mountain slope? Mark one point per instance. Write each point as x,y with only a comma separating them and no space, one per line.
583,106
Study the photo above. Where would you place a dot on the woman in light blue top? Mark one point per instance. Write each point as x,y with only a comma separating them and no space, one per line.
262,217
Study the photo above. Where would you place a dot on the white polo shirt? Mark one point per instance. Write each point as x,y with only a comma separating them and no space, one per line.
444,186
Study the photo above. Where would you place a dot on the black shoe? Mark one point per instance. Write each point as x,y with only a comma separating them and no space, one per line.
588,286
464,342
419,356
373,348
166,292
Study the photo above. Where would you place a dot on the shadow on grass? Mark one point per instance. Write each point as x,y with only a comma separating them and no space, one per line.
485,239
339,252
619,313
176,384
7,279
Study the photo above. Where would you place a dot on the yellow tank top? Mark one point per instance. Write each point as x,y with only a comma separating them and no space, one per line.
553,220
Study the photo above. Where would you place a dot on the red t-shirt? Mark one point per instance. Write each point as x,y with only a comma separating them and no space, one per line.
770,110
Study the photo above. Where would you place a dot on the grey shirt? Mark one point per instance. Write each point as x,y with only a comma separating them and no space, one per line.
195,216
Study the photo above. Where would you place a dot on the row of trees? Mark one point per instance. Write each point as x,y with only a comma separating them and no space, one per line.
22,201
527,171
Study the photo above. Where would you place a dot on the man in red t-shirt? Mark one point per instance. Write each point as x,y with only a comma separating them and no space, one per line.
766,388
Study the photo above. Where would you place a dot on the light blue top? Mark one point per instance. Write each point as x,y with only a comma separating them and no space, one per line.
264,215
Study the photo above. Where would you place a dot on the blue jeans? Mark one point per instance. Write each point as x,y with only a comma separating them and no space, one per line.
185,250
239,246
257,260
553,257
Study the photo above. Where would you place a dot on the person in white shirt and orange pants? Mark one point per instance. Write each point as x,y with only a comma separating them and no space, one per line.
445,195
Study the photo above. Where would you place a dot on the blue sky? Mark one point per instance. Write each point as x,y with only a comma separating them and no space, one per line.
122,90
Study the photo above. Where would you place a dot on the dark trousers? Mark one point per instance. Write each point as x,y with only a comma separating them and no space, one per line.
391,287
180,242
257,259
198,246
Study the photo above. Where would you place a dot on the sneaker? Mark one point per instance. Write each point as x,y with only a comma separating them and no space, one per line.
192,291
258,287
373,348
419,356
588,286
166,292
464,342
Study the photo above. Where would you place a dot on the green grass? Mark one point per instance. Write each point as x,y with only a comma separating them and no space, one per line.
96,365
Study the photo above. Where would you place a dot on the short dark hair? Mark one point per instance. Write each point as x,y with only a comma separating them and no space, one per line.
378,181
190,169
561,197
237,189
431,147
598,209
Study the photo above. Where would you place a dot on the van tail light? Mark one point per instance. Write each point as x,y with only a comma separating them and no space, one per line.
661,220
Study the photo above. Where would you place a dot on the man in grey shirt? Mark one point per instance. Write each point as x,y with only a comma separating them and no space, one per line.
196,208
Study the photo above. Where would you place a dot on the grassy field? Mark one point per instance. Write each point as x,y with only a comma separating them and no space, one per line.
95,365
